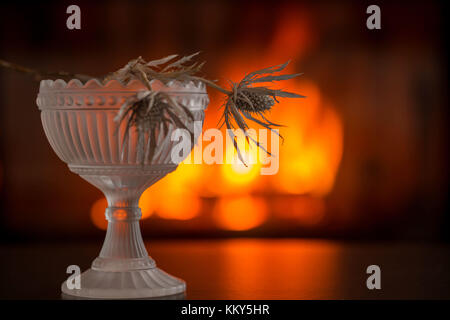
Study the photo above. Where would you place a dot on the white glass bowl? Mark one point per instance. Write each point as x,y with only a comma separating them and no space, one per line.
78,120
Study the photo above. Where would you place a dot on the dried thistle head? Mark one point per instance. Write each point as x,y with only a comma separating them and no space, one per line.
245,101
152,112
253,102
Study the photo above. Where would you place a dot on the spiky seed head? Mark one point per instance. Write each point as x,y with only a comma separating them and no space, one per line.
150,118
260,102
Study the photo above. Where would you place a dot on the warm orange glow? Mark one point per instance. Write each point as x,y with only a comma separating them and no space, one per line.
98,213
307,211
240,213
176,195
312,150
239,174
181,207
148,207
292,33
298,269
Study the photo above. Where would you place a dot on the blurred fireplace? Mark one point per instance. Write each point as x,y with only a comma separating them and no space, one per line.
364,154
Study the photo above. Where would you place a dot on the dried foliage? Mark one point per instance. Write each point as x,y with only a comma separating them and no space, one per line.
165,70
41,75
151,112
248,102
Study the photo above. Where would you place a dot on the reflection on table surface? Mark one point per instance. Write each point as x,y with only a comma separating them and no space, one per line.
248,268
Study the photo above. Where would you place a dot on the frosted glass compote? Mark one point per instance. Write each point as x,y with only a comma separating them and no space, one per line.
78,120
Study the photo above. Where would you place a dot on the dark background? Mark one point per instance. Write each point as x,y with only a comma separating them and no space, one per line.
388,88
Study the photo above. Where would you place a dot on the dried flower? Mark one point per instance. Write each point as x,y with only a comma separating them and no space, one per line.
248,102
159,69
252,102
151,113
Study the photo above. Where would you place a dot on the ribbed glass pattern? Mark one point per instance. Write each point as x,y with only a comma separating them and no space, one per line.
79,123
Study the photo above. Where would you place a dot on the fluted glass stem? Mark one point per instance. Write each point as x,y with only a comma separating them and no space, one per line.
123,248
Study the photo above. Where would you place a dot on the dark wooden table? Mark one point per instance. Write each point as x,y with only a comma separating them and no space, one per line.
249,268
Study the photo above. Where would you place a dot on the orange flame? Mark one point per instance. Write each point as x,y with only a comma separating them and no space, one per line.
312,151
240,213
98,213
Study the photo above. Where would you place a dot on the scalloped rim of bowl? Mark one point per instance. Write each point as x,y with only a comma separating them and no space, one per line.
175,86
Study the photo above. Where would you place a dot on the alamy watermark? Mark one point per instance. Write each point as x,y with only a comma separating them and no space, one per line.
374,280
74,20
374,20
74,280
219,147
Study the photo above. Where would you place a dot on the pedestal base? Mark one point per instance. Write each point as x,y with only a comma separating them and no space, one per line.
135,284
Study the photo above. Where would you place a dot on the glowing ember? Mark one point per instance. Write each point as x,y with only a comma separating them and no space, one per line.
98,213
240,213
310,156
239,174
180,207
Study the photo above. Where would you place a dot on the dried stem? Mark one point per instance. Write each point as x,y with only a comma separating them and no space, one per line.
212,85
40,75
